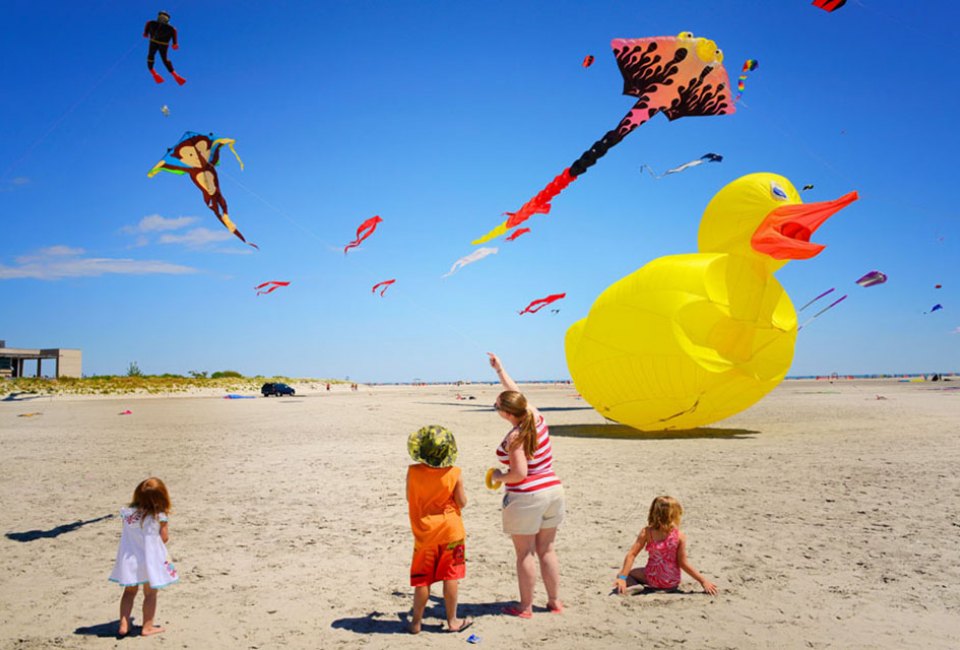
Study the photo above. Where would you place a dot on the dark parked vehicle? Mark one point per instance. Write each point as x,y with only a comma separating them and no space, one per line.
277,389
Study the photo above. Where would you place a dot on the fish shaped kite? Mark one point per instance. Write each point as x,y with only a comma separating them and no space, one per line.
828,5
478,254
588,61
872,278
678,76
198,156
516,233
537,305
707,157
385,284
748,66
273,284
366,229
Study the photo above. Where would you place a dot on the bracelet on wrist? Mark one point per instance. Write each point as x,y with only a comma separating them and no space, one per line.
620,576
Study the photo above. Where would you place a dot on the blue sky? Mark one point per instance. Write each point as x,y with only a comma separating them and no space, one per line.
439,117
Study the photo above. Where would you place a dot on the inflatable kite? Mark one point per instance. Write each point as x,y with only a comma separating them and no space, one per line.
687,340
707,157
198,156
537,305
678,76
385,284
365,229
273,284
478,254
872,279
588,61
936,307
165,110
161,33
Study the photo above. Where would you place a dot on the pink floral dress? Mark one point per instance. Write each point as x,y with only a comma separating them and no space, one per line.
662,571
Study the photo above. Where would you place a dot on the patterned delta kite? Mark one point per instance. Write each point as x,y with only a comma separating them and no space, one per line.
365,230
872,279
198,156
748,66
707,157
537,305
478,254
678,76
273,284
385,284
829,5
518,232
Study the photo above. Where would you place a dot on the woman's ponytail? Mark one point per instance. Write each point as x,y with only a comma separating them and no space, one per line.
515,404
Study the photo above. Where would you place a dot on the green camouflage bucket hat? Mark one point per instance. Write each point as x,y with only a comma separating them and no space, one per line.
433,445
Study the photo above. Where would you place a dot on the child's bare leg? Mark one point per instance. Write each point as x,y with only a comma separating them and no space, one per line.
420,597
149,611
450,590
126,607
639,576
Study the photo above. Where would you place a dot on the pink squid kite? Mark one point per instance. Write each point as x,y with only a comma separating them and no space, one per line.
365,230
537,305
385,284
273,284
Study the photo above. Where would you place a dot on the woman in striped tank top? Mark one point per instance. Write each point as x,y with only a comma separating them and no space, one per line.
533,503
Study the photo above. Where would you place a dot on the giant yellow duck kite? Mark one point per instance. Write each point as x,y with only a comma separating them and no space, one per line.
688,340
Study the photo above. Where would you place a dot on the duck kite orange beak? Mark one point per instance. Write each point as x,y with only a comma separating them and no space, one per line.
785,232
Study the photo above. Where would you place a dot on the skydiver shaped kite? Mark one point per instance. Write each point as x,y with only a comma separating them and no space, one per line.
161,32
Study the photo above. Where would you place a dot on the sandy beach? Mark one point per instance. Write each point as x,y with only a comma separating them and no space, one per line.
827,517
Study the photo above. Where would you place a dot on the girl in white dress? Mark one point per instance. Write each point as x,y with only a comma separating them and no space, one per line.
142,555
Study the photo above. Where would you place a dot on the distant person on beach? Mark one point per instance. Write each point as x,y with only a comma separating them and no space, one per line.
667,547
142,554
533,505
435,496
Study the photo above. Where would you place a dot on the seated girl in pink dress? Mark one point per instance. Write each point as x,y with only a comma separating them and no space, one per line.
667,549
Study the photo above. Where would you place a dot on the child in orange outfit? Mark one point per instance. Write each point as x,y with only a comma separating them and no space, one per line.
435,496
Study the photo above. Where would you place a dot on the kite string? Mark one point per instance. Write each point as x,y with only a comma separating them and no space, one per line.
56,123
276,209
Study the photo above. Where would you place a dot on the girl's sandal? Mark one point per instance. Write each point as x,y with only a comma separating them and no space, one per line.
515,611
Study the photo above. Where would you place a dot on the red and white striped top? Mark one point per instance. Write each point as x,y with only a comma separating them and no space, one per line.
540,474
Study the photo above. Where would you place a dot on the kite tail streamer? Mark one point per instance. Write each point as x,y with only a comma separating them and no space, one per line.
817,298
540,204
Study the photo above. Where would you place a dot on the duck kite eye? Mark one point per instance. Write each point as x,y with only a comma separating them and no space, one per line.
778,192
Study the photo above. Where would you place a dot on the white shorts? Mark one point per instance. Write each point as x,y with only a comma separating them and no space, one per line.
528,514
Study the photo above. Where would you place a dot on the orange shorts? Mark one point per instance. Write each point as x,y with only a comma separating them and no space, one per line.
434,562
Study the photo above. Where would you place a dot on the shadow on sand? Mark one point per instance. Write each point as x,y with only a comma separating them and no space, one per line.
382,623
106,630
20,396
623,432
33,535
